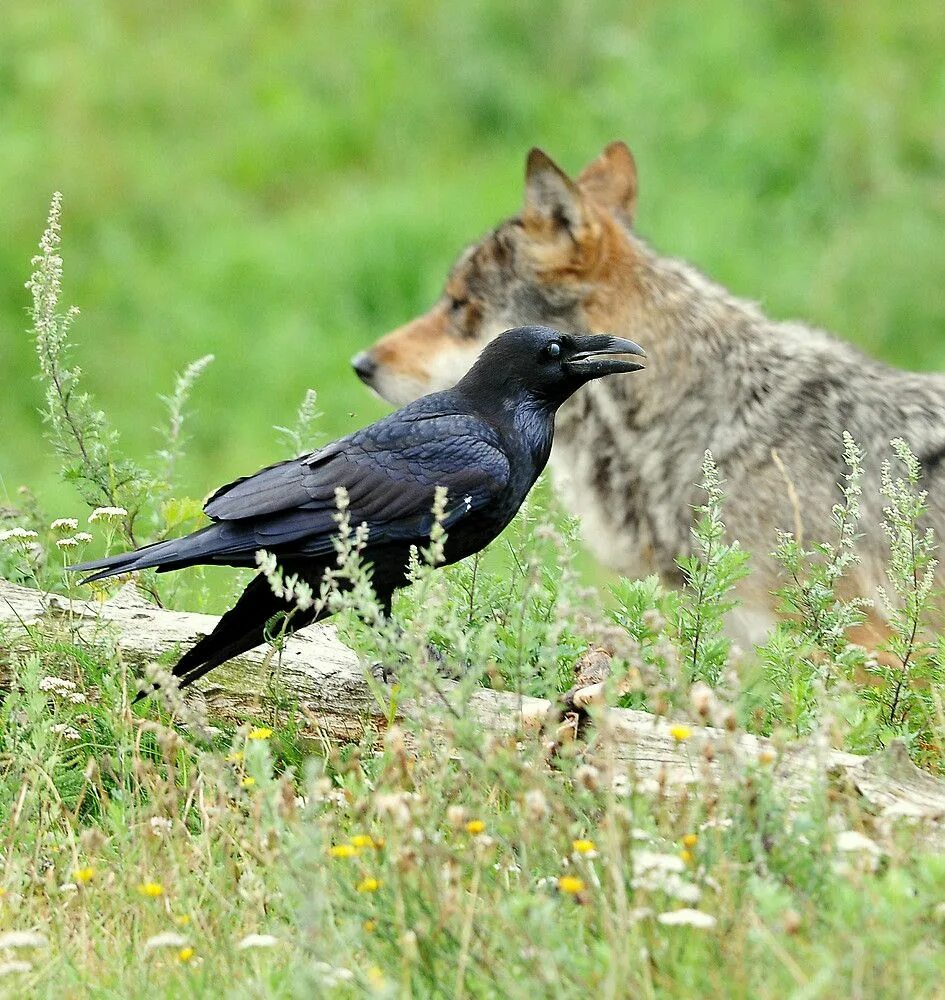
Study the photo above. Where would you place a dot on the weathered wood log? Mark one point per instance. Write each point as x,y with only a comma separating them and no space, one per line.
335,701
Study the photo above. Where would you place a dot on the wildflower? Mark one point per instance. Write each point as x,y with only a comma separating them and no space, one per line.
151,889
182,919
185,954
369,926
360,840
456,816
107,514
571,884
66,732
22,939
260,733
84,875
690,840
475,826
167,939
65,524
680,733
369,884
19,534
16,965
586,847
686,856
687,918
767,756
82,537
67,543
58,685
851,840
343,851
257,941
248,782
536,805
160,825
645,862
234,758
376,977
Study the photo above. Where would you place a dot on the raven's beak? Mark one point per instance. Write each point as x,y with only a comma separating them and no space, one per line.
600,355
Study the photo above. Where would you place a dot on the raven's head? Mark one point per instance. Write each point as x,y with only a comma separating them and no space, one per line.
547,364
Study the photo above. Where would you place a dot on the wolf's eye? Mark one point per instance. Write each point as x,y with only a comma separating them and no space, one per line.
553,350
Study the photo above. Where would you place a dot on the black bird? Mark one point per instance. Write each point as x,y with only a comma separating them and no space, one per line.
486,441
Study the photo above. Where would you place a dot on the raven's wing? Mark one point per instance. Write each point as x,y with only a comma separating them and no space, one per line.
390,472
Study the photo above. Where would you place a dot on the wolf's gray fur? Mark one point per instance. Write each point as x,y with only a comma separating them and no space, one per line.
769,399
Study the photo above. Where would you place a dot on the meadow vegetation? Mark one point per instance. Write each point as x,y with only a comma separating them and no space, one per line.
276,194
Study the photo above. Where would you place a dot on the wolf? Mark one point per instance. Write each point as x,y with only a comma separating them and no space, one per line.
770,400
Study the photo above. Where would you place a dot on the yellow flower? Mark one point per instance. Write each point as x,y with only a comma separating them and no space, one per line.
571,884
260,733
475,827
248,782
234,758
152,889
343,851
370,926
183,920
369,884
680,733
185,954
375,977
360,840
83,875
583,846
686,855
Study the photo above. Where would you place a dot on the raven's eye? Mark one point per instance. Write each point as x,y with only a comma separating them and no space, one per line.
553,350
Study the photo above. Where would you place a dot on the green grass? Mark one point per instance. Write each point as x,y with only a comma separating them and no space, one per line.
278,188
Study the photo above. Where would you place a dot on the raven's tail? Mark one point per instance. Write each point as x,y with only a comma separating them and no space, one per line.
240,629
209,544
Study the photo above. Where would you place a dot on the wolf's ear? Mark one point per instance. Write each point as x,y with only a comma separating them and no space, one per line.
552,200
611,180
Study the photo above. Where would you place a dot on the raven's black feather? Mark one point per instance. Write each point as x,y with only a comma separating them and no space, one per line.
485,441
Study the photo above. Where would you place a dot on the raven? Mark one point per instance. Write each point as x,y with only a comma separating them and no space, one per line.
486,441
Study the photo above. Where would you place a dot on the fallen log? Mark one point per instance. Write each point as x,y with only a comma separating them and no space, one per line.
334,701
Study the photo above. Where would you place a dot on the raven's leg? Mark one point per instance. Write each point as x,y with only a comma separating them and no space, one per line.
240,629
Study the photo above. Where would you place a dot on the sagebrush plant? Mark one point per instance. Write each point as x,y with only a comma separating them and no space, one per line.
710,575
810,650
149,850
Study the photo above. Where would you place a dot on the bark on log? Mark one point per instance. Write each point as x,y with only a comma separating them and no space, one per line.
335,701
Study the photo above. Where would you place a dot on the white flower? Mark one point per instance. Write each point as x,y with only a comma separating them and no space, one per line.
161,824
23,939
687,918
67,543
167,939
257,941
67,732
58,685
107,514
17,965
20,534
645,862
851,840
65,524
82,537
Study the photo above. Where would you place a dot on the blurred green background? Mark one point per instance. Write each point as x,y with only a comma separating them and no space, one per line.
278,184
